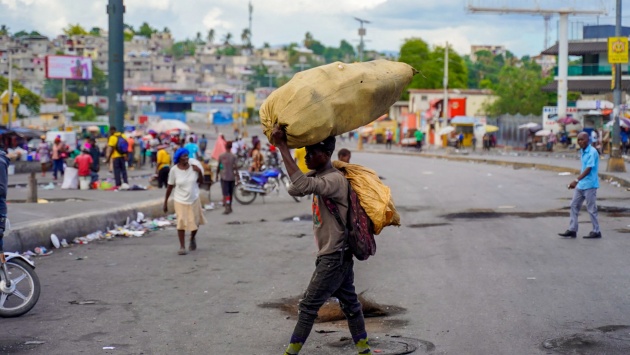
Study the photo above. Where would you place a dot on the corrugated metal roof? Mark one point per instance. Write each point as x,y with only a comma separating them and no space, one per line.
580,48
588,86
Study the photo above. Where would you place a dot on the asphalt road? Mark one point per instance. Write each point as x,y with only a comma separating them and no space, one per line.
476,268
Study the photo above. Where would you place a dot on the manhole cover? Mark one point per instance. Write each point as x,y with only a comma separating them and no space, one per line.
387,345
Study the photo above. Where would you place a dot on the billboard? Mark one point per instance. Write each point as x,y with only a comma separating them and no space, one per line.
68,67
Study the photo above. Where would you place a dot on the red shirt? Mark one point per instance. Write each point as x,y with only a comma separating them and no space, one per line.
84,161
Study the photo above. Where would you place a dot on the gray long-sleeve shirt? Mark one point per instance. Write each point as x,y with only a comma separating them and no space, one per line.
331,184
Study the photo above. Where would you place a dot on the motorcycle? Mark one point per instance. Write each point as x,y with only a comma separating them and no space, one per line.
19,285
264,183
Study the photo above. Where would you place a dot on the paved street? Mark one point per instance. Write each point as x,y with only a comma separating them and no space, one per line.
476,268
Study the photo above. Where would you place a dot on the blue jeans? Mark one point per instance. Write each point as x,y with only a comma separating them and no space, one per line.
590,195
57,166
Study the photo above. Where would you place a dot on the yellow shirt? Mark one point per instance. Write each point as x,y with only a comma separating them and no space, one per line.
163,159
112,142
300,159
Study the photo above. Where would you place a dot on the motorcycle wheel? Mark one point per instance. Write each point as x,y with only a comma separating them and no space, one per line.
286,182
242,196
24,292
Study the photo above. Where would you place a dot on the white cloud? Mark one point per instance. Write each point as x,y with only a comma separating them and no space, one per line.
213,19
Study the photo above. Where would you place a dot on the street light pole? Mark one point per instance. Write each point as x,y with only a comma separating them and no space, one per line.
616,163
10,89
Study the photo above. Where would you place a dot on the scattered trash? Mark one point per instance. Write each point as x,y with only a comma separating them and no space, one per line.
140,217
232,312
296,219
565,173
64,243
108,348
42,251
324,331
50,186
81,257
234,222
209,206
34,342
81,303
55,241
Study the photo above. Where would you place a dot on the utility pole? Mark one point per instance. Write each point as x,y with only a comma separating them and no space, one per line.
116,10
362,33
445,85
616,163
251,10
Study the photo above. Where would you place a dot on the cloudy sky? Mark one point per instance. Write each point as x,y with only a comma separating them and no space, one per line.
283,21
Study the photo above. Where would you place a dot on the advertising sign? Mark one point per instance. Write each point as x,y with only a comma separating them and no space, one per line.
617,50
68,67
550,117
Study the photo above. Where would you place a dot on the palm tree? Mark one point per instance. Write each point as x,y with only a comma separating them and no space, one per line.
227,38
210,36
198,38
246,38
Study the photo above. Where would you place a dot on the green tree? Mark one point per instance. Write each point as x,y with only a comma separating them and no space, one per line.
182,49
72,98
146,30
246,38
227,39
75,30
98,85
519,90
4,30
210,36
95,31
166,30
20,34
198,39
27,97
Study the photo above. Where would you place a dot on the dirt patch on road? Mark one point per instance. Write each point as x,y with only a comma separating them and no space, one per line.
427,225
331,311
488,214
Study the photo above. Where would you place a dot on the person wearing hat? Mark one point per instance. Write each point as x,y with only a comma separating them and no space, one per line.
43,151
334,274
184,179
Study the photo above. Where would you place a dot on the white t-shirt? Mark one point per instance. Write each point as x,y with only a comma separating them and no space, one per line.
186,190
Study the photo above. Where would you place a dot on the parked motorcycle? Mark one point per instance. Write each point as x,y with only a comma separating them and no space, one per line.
264,183
19,285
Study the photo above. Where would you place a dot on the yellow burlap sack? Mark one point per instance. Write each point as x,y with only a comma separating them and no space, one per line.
333,99
375,197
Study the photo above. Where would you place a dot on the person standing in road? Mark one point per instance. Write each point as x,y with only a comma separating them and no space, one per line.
334,275
228,173
43,151
117,156
585,185
59,155
83,163
95,153
192,148
419,137
185,178
344,155
258,160
130,152
203,145
162,167
389,136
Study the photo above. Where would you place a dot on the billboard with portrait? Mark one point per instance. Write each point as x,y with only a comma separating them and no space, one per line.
68,67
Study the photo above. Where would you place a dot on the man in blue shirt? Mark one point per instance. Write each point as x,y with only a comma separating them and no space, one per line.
585,186
192,148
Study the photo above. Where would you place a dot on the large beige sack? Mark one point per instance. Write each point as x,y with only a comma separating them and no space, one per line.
333,99
374,196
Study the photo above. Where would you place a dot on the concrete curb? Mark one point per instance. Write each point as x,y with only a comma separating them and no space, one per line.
515,165
38,234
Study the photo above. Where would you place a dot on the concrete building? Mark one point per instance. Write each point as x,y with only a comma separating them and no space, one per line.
496,50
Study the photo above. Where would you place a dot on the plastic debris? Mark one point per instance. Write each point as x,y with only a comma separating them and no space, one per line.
42,251
109,348
50,186
296,219
565,173
55,241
